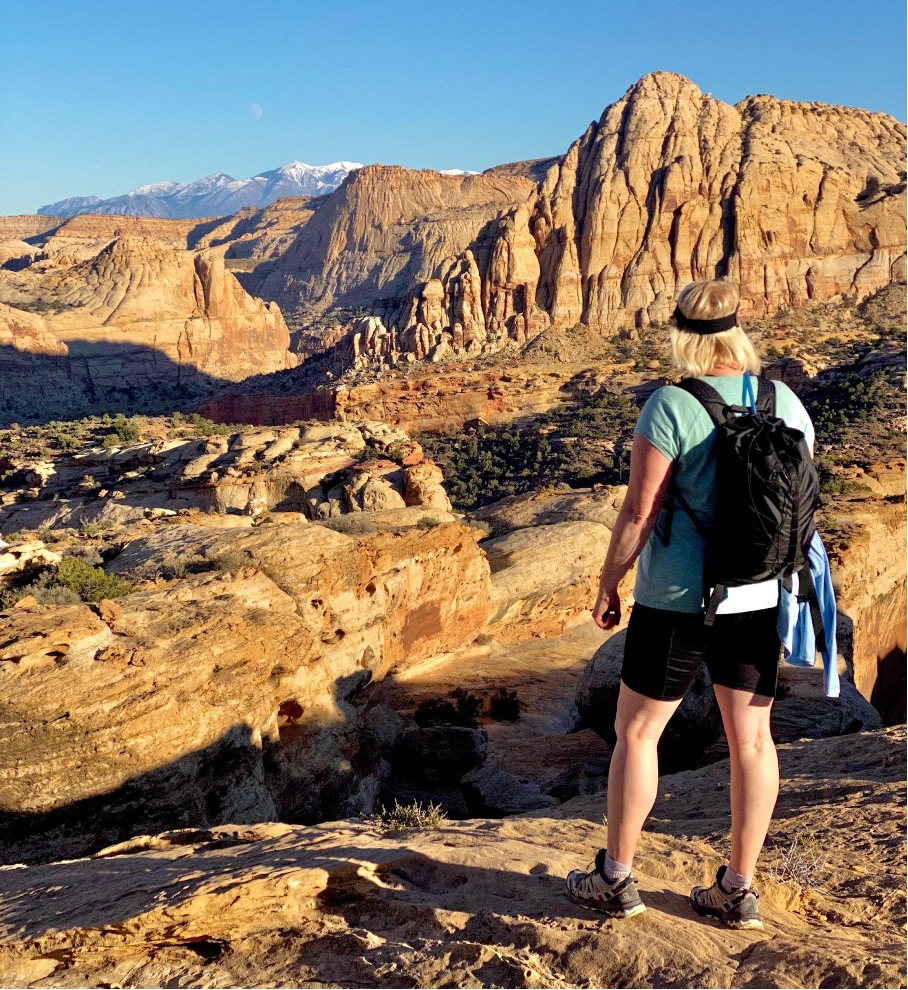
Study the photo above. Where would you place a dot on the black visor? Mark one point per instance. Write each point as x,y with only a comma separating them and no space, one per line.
705,326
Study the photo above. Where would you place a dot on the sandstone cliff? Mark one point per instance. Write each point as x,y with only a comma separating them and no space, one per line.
139,314
796,202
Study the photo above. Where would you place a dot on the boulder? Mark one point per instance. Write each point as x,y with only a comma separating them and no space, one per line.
493,792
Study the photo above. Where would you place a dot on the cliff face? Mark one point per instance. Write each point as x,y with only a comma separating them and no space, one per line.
796,202
139,314
386,231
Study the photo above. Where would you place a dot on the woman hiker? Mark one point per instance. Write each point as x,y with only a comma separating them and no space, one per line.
667,637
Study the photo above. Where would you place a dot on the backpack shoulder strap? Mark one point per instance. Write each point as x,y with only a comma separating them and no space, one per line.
707,396
766,396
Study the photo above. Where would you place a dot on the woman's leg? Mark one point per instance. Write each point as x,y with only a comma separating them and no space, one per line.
633,778
754,773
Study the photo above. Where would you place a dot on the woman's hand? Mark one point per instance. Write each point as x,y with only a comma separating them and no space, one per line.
607,609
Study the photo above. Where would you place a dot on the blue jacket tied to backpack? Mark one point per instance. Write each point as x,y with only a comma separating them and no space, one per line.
796,626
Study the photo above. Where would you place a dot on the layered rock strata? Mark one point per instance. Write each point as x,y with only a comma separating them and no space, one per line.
138,315
795,202
224,695
315,471
482,903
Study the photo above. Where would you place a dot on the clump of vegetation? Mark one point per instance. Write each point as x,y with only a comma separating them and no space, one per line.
842,408
196,425
581,444
125,432
91,584
73,580
504,705
406,816
426,522
353,524
459,708
802,862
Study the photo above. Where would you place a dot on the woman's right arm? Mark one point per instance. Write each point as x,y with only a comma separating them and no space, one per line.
650,474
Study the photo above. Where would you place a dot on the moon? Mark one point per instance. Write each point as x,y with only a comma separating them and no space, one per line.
255,111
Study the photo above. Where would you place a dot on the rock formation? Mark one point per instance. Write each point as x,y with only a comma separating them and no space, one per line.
138,315
481,903
223,695
796,202
315,471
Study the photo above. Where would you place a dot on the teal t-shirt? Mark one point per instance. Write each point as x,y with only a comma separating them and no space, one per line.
679,427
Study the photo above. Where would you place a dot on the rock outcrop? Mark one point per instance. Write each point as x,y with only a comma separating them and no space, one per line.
140,315
223,695
482,903
796,202
314,471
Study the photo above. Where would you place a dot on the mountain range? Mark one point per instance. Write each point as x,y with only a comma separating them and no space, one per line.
215,195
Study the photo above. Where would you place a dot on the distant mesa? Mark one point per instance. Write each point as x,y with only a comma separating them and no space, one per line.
215,195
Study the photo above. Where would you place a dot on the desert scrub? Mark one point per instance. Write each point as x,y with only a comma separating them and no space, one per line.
73,580
195,425
504,705
91,584
459,708
125,432
802,861
580,444
352,524
407,816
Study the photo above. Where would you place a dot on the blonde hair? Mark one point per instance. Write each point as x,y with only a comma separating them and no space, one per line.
697,354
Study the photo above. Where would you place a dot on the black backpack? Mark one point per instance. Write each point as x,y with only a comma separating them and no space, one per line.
768,491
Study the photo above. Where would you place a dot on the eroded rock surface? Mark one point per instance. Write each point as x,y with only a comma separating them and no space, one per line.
797,202
222,695
482,903
138,314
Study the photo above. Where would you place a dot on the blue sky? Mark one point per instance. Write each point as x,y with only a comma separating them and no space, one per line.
100,97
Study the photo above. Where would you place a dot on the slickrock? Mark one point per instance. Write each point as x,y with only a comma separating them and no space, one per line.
222,696
317,470
544,577
482,903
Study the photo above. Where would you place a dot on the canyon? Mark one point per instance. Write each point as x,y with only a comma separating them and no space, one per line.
798,203
231,642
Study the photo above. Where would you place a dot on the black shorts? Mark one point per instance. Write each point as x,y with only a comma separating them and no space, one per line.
664,650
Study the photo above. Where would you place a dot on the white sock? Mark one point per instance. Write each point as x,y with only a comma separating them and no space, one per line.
732,881
615,871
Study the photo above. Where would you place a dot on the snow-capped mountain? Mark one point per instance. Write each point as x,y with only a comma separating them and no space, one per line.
215,195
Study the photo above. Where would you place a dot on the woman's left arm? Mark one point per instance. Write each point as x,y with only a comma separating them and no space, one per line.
650,474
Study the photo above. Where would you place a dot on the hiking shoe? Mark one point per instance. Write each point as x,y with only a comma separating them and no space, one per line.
618,899
737,910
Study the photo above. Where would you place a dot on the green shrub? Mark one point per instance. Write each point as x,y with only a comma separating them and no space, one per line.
504,705
579,445
426,522
406,816
462,709
91,584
